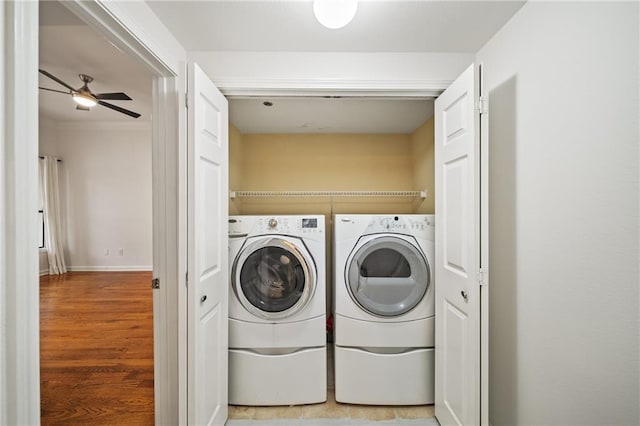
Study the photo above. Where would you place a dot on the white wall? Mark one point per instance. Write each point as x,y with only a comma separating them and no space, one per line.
105,179
304,73
48,142
47,136
563,89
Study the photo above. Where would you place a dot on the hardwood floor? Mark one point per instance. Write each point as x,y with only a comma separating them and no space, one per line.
96,349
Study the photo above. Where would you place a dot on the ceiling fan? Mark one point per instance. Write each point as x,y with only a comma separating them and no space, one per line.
85,98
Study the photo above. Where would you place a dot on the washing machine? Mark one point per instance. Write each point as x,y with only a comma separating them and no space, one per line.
384,309
277,310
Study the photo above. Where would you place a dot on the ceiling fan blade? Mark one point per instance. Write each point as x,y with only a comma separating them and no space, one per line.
117,108
119,96
83,108
53,90
56,79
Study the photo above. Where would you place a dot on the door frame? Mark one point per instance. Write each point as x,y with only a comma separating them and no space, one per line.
169,165
19,307
19,300
484,243
19,290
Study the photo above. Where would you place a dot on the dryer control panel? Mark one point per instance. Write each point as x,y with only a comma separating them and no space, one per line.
400,223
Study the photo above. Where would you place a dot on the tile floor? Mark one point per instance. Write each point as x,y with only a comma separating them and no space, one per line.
331,412
334,422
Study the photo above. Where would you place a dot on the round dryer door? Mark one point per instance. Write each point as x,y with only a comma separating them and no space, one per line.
274,277
387,275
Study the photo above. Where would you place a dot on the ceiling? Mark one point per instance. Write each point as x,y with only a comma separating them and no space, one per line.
322,115
68,47
379,25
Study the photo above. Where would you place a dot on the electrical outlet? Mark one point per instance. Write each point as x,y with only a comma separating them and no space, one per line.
120,252
106,252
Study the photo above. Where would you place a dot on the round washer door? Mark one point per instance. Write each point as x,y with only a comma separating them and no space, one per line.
274,277
387,275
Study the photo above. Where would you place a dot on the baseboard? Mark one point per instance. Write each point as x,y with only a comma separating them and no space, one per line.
44,272
116,268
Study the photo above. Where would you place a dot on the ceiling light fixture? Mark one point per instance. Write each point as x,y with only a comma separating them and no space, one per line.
83,95
84,99
334,14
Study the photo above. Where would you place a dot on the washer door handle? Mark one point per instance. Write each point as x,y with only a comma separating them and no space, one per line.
234,235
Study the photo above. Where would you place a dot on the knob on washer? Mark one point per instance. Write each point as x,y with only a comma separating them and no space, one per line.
273,223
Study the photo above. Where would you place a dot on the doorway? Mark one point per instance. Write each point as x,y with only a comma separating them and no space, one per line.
96,320
160,54
289,145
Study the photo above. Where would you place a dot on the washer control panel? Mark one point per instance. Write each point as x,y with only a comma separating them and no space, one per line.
289,225
310,225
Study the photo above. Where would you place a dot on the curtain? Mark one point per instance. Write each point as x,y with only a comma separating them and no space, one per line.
50,195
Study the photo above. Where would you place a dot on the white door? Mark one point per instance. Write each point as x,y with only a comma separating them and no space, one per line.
208,265
457,189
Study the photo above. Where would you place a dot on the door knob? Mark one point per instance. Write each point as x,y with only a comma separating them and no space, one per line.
464,295
203,298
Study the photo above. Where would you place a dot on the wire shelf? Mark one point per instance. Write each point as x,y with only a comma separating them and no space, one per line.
266,194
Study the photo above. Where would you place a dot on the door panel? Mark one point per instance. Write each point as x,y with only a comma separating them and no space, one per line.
209,390
455,119
207,341
457,245
210,211
454,347
456,206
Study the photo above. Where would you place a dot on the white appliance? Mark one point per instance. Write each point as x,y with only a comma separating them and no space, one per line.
277,311
384,309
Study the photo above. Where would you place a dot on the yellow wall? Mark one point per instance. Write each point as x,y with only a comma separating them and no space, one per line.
328,162
318,162
423,165
236,154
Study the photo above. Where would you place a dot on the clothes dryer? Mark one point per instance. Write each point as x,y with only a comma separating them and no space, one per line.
277,313
384,309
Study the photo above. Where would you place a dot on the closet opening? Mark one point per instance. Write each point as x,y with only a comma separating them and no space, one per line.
329,156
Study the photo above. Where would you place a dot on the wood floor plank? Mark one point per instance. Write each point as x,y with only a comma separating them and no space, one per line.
96,349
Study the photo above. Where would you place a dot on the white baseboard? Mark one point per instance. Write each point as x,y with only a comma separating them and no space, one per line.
44,272
116,268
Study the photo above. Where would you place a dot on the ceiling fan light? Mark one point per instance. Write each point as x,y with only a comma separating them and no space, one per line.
84,100
335,14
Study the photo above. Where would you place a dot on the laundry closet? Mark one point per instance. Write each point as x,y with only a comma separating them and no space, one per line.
390,172
315,160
